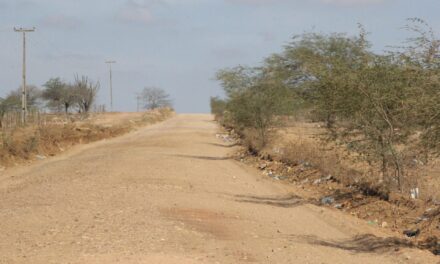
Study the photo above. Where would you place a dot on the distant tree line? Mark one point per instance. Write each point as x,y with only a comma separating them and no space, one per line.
385,107
56,95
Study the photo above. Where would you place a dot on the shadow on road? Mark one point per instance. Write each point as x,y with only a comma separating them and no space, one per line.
201,157
359,244
279,201
223,146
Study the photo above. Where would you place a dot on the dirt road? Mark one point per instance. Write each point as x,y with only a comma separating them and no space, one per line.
168,194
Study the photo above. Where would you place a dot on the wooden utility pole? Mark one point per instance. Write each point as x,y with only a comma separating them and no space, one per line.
138,100
23,88
111,84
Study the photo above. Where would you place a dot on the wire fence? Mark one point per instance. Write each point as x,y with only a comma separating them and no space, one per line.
12,119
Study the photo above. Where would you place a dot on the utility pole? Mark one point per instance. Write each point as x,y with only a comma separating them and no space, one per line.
110,62
138,100
23,88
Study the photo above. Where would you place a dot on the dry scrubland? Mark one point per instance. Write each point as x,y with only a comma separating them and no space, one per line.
360,128
299,142
56,134
297,154
170,193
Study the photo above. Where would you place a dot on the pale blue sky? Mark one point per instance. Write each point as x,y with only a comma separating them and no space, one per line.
178,45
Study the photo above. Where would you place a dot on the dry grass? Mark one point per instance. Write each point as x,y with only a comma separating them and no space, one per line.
298,155
335,162
302,143
24,144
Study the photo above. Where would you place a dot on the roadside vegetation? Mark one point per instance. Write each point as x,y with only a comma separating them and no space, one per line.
380,107
357,128
62,114
32,142
60,96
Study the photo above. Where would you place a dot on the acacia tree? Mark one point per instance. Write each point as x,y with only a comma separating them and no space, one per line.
376,102
12,101
255,97
218,107
3,110
60,95
322,67
363,98
236,80
380,120
421,57
383,107
154,98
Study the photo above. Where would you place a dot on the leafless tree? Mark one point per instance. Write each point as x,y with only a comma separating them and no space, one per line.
155,98
85,93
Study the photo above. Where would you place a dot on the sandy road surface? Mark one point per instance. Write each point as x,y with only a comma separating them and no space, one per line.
168,194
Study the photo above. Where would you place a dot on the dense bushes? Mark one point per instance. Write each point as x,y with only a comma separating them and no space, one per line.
218,106
255,98
384,107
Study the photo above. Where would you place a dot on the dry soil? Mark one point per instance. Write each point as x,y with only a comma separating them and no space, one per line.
168,193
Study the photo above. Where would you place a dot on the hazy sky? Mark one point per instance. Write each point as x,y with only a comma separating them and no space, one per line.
178,45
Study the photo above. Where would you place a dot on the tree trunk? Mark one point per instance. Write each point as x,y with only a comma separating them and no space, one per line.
383,156
398,166
262,136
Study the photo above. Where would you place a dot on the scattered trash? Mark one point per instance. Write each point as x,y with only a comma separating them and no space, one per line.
327,200
278,150
262,166
307,165
224,137
339,206
40,157
411,233
317,181
417,162
328,178
415,193
384,225
421,219
372,223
